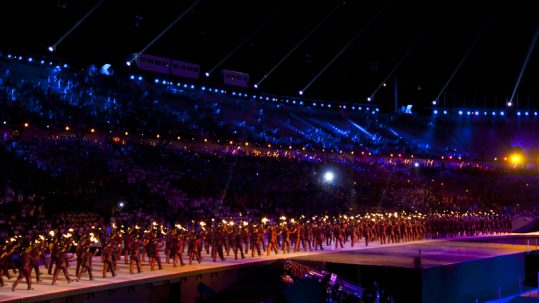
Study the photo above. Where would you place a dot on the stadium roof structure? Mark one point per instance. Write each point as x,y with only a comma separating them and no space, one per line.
456,53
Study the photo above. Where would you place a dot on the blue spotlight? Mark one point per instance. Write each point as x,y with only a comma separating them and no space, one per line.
460,112
233,93
526,113
344,106
42,62
477,113
192,86
518,113
66,66
535,114
435,112
416,164
485,113
9,56
132,77
156,81
494,113
30,59
314,104
445,112
300,102
353,108
164,82
468,113
502,113
140,78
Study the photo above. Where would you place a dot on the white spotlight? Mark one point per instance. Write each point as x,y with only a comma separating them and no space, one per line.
329,176
51,49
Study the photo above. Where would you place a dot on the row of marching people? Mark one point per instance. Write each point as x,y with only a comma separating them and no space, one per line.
24,254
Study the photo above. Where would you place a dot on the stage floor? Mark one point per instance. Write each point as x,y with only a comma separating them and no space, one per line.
434,253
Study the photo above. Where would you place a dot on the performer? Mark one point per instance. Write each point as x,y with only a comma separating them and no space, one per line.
273,234
23,263
237,242
61,262
86,262
106,256
134,254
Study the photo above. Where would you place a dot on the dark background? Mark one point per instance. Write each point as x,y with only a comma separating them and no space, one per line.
442,32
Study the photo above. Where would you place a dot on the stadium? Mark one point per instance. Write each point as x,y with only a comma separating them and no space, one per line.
268,151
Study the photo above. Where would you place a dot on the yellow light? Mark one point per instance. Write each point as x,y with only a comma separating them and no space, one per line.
92,130
269,145
26,124
265,220
67,128
231,142
516,159
179,138
205,140
126,133
246,143
158,136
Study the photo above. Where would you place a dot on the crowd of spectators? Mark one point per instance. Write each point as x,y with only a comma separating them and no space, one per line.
140,146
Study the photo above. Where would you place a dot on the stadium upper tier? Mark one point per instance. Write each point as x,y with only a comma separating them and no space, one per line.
83,99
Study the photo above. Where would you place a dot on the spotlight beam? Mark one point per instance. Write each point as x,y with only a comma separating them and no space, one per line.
395,68
53,47
472,46
309,34
238,46
525,64
365,27
164,31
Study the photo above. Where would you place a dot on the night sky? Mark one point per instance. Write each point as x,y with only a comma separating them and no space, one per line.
438,34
